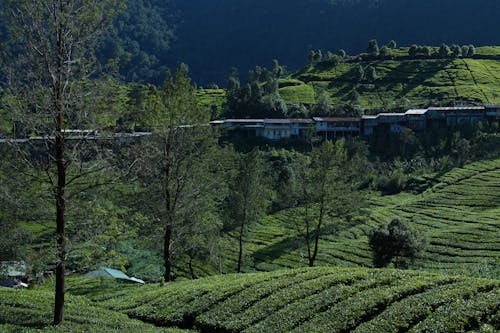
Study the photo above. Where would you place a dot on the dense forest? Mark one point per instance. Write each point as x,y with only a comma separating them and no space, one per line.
214,36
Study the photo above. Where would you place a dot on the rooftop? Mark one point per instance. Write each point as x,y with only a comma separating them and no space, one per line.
336,119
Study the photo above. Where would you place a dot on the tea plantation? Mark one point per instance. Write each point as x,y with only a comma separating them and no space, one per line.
459,216
301,300
399,83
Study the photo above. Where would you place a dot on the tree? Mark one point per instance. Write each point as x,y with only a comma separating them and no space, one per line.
384,51
312,56
444,51
55,40
412,51
359,73
472,51
247,200
395,240
456,50
371,74
465,51
427,51
342,54
329,192
372,47
318,56
173,164
392,44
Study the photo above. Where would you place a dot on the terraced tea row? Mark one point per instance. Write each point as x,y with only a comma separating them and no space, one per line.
460,216
31,311
318,300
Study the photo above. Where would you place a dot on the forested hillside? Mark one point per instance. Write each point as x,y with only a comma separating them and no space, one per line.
213,36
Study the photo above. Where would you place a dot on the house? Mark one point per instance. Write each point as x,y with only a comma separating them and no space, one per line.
337,127
369,123
302,128
457,116
243,128
13,274
391,122
276,129
417,119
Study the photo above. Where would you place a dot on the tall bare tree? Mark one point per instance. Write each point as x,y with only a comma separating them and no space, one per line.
54,44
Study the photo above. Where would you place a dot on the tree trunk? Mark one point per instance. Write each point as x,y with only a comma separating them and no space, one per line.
61,177
318,233
308,236
240,253
167,253
61,233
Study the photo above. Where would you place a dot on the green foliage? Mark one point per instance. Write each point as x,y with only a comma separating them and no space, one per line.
396,240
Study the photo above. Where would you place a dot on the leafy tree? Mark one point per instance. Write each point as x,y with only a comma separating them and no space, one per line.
318,56
412,51
465,51
384,51
392,44
359,73
55,40
371,74
312,56
247,200
395,241
342,54
323,104
472,51
277,70
444,51
373,48
329,192
173,165
427,51
456,50
460,149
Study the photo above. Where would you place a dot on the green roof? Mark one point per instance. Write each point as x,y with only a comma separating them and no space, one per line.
113,273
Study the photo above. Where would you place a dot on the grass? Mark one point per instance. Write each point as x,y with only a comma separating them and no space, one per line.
321,299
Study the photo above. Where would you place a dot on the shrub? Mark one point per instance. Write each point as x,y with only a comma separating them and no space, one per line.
395,240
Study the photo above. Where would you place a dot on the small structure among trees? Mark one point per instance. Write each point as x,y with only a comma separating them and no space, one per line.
395,241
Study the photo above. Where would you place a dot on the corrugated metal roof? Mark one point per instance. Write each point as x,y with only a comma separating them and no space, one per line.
416,111
336,119
301,121
457,108
277,121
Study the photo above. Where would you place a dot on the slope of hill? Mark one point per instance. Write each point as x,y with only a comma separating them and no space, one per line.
302,300
213,36
459,215
401,82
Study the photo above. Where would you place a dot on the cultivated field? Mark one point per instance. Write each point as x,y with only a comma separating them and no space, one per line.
302,300
459,216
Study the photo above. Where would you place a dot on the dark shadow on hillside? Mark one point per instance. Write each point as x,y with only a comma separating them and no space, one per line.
276,250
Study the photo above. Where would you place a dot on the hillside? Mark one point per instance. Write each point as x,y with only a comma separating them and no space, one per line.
400,82
250,33
459,216
303,300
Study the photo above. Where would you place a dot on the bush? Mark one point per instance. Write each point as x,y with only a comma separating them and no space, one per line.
395,240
